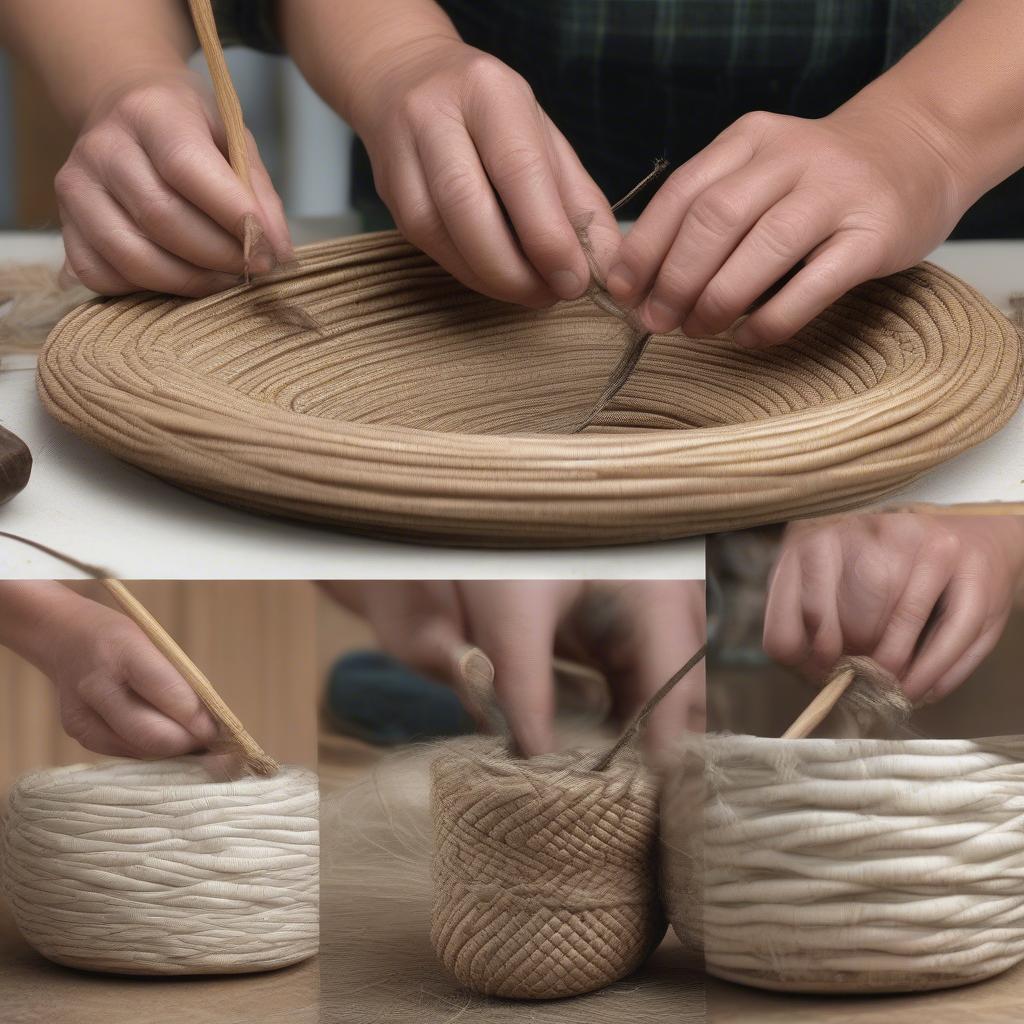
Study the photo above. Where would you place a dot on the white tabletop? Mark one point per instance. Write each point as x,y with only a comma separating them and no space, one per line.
87,503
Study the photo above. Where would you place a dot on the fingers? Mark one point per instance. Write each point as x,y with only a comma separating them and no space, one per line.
965,665
585,204
467,206
169,221
145,731
123,247
82,263
782,237
157,683
715,223
420,221
783,636
187,158
958,629
843,262
802,622
516,627
670,629
929,576
149,201
510,134
273,220
648,243
81,723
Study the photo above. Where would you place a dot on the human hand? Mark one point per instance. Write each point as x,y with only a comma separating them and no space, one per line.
118,695
639,635
148,200
864,192
476,175
927,597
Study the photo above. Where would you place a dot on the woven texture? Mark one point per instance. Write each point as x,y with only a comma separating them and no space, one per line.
848,865
150,868
544,880
367,388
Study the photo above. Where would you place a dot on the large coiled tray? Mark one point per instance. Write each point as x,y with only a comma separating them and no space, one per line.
368,389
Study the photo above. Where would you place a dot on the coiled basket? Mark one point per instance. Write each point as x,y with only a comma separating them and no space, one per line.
367,388
859,865
544,871
152,868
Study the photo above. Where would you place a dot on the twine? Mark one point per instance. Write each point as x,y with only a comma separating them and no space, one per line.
153,868
847,865
545,881
417,409
544,877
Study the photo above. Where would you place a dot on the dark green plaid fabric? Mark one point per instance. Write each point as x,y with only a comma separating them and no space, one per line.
631,80
249,23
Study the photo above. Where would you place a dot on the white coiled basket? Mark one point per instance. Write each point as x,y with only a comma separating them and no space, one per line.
824,865
153,868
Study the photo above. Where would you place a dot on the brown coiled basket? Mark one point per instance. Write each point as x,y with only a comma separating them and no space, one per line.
368,389
545,883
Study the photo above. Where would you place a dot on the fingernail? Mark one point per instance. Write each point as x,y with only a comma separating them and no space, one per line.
659,316
621,280
262,262
695,328
744,337
567,284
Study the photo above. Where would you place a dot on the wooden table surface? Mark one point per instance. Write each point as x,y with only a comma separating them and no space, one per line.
997,1001
35,991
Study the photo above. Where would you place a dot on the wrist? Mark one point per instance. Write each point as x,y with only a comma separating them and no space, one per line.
92,102
350,52
373,80
900,123
33,615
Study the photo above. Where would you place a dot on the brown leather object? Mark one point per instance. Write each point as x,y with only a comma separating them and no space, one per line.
15,465
366,388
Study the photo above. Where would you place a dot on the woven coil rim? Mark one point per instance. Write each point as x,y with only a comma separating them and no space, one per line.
754,942
569,489
252,889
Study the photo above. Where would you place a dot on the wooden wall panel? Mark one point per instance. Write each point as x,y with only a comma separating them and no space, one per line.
41,144
257,642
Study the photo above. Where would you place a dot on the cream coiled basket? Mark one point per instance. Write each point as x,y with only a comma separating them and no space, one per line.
847,865
155,868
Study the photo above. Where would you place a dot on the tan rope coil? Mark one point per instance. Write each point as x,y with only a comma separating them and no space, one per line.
544,879
156,868
405,405
545,883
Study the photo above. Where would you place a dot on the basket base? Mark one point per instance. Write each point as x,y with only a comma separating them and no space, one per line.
850,982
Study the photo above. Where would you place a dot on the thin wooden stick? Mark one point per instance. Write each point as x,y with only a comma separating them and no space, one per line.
826,699
230,108
228,104
252,755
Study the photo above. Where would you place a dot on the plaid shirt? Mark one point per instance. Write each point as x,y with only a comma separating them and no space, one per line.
630,80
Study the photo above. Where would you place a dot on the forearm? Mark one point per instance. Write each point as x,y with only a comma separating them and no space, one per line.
964,87
341,46
30,614
87,49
